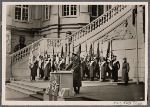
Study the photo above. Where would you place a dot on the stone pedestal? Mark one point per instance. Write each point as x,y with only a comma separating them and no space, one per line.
65,81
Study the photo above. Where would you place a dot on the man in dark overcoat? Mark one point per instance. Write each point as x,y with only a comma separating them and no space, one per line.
103,69
34,68
47,67
125,70
93,69
41,70
115,68
75,66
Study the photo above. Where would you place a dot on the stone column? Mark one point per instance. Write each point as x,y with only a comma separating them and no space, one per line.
105,8
8,52
141,44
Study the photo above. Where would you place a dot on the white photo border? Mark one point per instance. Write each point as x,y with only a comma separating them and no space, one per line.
4,102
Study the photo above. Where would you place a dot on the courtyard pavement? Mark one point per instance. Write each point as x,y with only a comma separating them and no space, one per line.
100,91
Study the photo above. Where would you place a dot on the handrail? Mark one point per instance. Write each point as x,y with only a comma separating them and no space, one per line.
26,50
26,47
100,20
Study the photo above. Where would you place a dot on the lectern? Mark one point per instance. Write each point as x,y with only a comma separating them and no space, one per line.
65,79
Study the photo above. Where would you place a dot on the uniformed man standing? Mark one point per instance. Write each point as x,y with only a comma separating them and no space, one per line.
75,66
125,70
115,68
47,67
34,68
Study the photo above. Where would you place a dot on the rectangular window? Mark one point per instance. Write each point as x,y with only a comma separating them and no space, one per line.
22,12
47,12
97,10
94,10
108,7
100,10
69,10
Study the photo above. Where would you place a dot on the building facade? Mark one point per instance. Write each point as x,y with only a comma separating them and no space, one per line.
51,21
124,24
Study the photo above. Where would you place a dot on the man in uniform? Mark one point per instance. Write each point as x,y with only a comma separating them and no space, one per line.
125,70
115,68
47,67
93,69
34,68
75,66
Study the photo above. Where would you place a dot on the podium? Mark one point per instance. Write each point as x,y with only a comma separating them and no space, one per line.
65,79
61,85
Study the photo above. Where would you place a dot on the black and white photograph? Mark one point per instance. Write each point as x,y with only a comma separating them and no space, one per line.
74,53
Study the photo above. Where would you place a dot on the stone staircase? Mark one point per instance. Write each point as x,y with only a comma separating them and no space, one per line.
29,88
89,33
36,89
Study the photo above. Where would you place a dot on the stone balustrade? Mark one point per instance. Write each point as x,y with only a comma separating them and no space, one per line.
97,22
43,44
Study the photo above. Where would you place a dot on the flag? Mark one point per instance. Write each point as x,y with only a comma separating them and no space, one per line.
80,48
53,50
62,52
101,52
30,63
86,47
98,56
45,53
109,50
134,15
73,47
90,52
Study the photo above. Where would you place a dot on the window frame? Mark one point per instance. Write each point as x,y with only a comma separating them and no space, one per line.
21,15
61,11
97,12
49,12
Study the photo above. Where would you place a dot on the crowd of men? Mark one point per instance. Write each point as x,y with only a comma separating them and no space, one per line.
87,68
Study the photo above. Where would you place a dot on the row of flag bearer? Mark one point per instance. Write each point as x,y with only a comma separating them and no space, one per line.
90,66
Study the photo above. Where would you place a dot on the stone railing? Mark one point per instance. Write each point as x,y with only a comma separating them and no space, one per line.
15,57
97,22
44,44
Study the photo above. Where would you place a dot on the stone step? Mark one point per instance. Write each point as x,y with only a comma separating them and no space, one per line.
33,84
20,90
33,89
40,92
129,82
38,96
36,80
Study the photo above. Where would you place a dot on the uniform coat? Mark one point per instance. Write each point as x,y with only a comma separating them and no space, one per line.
115,68
103,70
125,70
92,69
47,68
34,69
75,65
41,70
